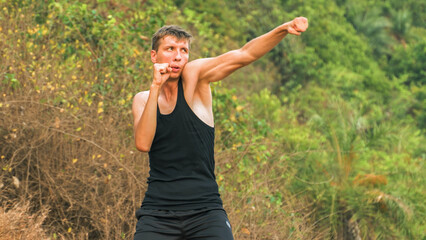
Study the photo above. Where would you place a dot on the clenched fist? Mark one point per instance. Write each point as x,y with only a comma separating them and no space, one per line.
297,26
161,73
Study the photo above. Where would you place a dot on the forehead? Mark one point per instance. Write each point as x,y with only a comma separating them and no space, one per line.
172,40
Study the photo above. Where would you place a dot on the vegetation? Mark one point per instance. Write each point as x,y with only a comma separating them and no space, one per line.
323,138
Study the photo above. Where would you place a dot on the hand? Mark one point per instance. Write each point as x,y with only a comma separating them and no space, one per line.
298,25
161,73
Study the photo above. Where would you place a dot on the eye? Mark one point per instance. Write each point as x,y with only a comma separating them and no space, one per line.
184,50
170,49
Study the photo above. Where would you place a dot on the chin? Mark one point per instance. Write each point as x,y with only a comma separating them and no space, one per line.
175,75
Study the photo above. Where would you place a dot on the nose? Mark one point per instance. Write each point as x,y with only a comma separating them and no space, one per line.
178,56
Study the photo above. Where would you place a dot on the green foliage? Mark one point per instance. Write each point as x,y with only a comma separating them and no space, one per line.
410,62
401,20
373,25
415,8
10,81
358,163
267,106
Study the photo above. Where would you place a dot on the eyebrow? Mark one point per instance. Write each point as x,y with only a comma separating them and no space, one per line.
173,46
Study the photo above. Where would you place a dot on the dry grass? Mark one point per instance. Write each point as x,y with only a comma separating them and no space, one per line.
90,185
17,223
68,157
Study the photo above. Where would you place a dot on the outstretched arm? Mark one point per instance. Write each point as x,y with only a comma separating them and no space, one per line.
217,68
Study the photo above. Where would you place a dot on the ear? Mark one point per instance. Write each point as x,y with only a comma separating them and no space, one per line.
153,56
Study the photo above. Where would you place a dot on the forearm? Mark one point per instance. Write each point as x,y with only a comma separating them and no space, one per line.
146,127
261,45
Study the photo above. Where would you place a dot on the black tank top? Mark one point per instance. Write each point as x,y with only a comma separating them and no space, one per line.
181,162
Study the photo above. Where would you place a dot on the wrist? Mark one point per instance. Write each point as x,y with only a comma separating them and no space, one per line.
155,87
155,90
285,26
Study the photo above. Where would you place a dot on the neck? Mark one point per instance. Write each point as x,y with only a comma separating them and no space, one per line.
170,89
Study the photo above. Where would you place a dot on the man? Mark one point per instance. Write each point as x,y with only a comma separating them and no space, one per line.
173,121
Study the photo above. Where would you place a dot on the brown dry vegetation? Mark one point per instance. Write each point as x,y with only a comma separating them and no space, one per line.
17,223
81,176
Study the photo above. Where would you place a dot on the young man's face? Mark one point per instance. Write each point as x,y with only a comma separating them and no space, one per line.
174,52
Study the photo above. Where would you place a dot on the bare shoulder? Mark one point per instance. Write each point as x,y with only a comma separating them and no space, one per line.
139,100
197,89
141,95
198,62
196,65
191,72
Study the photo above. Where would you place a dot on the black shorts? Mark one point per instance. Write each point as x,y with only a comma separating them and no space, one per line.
207,224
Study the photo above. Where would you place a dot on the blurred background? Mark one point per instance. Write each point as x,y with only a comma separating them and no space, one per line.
322,138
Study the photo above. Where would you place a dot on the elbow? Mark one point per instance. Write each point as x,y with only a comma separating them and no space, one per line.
143,147
247,58
143,142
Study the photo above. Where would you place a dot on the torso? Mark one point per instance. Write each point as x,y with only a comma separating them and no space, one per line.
181,157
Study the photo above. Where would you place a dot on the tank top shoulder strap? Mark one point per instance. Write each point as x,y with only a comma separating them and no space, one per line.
180,90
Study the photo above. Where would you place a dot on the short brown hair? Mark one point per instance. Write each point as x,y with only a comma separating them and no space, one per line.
169,30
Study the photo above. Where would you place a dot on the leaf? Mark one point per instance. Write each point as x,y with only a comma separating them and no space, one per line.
16,181
370,180
57,122
245,231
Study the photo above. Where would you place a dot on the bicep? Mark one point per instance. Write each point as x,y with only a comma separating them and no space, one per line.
138,106
217,68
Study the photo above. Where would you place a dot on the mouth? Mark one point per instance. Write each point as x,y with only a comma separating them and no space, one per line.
175,69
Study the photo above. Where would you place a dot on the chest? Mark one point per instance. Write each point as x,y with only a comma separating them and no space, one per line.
200,106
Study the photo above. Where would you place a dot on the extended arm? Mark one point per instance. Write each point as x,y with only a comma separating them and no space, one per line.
215,69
